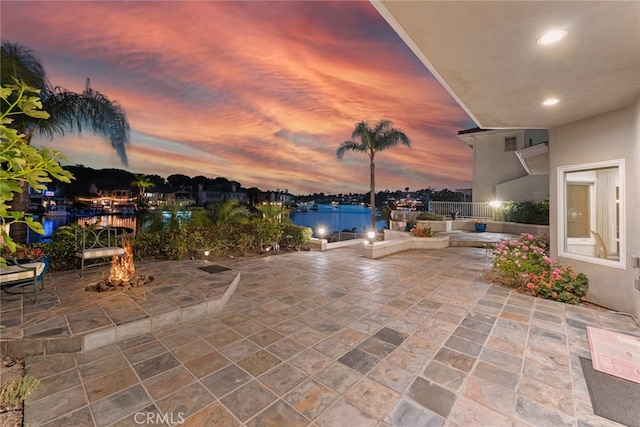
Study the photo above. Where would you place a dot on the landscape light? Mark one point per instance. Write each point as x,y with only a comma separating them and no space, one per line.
321,232
206,255
372,236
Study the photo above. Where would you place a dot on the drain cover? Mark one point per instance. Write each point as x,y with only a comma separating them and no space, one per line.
213,268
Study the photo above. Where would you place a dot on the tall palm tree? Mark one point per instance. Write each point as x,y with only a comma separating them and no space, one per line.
370,140
142,182
69,111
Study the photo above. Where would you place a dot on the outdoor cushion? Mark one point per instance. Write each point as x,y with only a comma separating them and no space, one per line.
17,273
100,252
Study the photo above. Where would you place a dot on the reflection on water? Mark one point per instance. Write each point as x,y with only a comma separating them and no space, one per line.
336,218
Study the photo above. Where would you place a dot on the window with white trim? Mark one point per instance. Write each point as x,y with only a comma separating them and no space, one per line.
591,212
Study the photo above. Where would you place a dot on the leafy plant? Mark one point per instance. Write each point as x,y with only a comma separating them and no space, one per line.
526,254
229,212
527,212
16,391
430,216
421,232
525,263
294,236
560,284
22,164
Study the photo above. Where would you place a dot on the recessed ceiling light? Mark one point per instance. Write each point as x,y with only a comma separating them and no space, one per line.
552,36
551,101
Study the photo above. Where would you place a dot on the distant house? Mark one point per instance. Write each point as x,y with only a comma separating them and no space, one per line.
158,197
220,193
277,197
523,159
107,197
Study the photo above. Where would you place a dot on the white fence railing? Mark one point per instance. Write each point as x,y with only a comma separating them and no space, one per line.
462,210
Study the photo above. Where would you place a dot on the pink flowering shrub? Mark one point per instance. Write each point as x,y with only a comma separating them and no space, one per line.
526,254
525,261
560,284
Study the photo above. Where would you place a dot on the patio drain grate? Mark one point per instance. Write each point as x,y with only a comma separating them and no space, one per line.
213,268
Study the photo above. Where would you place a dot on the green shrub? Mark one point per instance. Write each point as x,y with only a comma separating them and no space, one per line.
430,216
526,254
527,212
524,263
295,236
187,241
560,284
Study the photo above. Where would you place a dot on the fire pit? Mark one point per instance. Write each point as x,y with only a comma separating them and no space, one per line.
121,275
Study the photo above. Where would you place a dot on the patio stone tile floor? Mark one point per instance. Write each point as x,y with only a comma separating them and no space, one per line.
335,339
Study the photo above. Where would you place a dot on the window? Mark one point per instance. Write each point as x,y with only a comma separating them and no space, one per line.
510,143
590,212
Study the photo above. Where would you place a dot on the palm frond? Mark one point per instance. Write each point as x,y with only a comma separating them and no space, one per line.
19,62
69,111
90,110
350,146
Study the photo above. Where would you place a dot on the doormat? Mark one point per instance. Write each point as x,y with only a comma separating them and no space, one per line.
615,353
215,268
612,397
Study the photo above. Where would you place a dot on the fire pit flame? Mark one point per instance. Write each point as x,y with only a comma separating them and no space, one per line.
121,274
122,267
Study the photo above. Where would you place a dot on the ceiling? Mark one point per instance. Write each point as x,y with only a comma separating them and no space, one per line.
485,54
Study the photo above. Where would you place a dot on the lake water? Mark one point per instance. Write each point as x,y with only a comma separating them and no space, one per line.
336,218
331,218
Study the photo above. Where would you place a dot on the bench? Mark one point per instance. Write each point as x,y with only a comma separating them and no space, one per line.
21,275
98,244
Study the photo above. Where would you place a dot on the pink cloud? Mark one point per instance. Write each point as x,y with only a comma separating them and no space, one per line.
259,92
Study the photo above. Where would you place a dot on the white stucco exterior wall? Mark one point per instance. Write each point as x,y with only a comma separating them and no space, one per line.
492,165
609,136
527,188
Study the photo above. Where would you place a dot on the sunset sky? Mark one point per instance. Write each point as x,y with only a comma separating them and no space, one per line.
257,92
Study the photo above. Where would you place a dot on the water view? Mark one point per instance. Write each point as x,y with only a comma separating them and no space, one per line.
332,218
336,218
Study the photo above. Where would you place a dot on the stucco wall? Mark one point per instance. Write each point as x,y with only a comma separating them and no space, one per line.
492,165
526,188
610,136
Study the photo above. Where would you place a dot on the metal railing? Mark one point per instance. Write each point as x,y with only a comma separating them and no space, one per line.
462,210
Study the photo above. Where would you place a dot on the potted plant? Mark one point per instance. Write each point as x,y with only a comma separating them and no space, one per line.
411,224
480,225
421,232
26,255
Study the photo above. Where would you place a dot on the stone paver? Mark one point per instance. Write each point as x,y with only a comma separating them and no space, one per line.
333,338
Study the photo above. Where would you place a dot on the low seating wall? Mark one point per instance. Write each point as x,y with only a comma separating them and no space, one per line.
388,247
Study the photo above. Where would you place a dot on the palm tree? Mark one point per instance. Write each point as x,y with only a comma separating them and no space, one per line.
142,182
69,112
229,212
370,140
